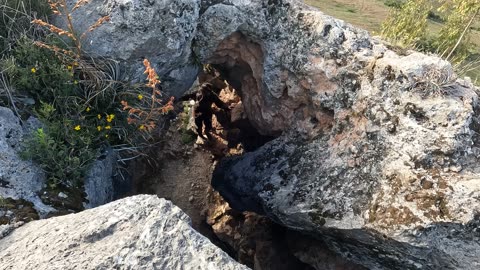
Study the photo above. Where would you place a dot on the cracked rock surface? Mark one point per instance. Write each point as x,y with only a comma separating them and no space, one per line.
141,232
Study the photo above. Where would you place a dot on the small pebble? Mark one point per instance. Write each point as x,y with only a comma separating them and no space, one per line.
456,168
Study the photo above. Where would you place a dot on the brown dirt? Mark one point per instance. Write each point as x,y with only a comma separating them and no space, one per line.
186,182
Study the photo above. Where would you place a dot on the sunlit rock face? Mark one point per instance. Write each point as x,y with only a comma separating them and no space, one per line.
141,232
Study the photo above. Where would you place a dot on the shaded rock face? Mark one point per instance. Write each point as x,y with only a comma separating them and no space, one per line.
393,184
142,232
19,179
99,182
383,161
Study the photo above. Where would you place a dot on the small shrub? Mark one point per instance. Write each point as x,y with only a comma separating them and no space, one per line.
407,25
37,72
188,136
64,162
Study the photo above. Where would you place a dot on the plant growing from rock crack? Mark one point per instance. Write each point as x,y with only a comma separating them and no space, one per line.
74,96
148,109
434,82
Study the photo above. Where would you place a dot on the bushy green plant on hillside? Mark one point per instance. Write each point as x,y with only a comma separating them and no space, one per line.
37,72
64,159
453,41
406,25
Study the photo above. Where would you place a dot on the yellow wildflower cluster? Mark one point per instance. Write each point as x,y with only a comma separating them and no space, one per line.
110,118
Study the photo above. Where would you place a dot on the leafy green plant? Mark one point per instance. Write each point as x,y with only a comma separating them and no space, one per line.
81,102
74,98
65,165
37,72
453,41
406,25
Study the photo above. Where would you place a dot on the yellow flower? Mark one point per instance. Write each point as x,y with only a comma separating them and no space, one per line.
142,127
77,127
106,135
69,68
33,70
108,127
99,128
110,118
140,96
99,116
87,109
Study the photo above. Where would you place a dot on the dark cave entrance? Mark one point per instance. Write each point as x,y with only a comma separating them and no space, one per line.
228,123
220,114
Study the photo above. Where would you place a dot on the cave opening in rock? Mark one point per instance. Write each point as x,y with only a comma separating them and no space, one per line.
195,142
219,117
231,121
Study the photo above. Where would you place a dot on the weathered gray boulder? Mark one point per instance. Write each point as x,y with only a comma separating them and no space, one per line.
19,179
384,165
161,31
142,232
391,179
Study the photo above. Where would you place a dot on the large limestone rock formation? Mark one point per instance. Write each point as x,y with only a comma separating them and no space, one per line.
142,232
285,57
383,166
387,170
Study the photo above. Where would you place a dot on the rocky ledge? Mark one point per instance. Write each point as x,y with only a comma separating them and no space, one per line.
141,232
